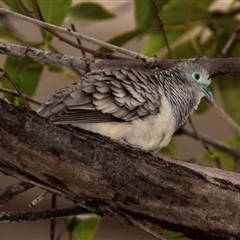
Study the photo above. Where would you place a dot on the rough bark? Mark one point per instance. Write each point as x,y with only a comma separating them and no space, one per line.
110,178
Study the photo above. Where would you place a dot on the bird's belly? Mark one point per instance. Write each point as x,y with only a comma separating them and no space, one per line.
150,133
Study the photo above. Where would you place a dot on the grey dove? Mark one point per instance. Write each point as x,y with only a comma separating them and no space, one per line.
141,107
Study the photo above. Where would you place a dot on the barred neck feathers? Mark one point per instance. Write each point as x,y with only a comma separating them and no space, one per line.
181,89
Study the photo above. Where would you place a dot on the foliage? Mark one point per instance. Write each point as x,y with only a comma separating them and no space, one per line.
82,227
191,28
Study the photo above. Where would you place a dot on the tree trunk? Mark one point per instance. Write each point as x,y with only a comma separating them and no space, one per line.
111,178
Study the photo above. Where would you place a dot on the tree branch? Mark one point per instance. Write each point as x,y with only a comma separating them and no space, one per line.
74,34
215,66
110,178
12,191
11,217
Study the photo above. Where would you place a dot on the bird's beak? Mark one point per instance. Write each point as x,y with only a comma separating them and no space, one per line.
207,92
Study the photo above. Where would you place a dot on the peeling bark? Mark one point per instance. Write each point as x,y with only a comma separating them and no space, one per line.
111,178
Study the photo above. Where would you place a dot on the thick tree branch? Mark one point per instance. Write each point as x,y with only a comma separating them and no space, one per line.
106,177
215,66
12,191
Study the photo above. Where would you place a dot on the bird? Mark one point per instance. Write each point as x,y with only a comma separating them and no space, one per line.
141,107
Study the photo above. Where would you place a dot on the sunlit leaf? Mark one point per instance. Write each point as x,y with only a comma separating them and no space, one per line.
89,11
83,228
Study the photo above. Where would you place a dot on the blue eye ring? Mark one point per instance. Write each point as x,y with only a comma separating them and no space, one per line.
197,76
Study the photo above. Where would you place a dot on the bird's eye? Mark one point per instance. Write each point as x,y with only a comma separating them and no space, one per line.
197,76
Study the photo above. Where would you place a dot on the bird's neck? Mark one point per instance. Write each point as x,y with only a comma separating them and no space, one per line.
183,98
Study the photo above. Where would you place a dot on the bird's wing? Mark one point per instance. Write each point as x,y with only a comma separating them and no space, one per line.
103,96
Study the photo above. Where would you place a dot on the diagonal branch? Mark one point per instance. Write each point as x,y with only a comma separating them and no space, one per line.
11,217
12,191
74,34
161,26
110,178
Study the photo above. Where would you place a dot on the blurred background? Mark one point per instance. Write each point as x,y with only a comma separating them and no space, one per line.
124,20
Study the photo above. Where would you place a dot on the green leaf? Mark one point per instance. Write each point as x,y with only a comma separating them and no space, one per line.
89,11
206,2
14,6
173,235
82,227
55,69
54,12
230,92
24,73
144,14
176,13
6,34
156,42
183,51
170,149
121,39
226,160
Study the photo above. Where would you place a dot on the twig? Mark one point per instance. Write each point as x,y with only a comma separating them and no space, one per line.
53,221
11,217
14,93
213,142
230,42
37,200
63,39
161,26
198,136
39,11
28,12
230,121
75,34
6,75
78,40
13,190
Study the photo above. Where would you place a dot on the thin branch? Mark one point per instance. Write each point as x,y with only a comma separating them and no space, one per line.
78,40
7,76
53,220
229,120
198,136
30,14
11,217
75,34
37,200
230,42
39,11
12,191
213,142
14,93
161,26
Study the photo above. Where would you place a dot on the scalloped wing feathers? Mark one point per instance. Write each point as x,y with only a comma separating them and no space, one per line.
104,96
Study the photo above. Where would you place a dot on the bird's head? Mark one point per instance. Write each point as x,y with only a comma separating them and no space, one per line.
198,75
